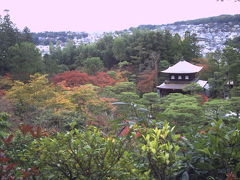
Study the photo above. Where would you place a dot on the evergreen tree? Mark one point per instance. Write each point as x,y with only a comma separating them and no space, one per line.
24,59
9,36
105,47
26,35
190,49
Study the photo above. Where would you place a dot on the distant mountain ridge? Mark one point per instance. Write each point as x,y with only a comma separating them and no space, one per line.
215,19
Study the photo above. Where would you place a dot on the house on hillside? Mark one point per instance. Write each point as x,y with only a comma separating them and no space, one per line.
179,76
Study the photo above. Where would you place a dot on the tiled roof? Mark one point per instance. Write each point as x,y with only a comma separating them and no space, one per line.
181,86
183,67
171,86
202,83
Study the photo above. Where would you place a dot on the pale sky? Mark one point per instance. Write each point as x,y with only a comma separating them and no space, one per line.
109,15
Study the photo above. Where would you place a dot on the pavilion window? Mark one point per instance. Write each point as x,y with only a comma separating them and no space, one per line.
187,77
172,77
179,77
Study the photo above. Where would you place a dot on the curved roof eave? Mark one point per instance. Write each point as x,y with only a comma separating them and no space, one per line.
183,67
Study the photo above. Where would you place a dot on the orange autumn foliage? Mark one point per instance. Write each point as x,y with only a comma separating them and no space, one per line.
126,130
35,131
103,79
72,78
76,78
147,81
202,99
202,62
88,102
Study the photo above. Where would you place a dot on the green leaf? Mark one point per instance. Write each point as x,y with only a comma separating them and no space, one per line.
205,150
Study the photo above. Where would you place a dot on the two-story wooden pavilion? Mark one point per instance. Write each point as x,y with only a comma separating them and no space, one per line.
179,76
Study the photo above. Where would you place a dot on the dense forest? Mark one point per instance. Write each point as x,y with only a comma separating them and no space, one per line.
91,111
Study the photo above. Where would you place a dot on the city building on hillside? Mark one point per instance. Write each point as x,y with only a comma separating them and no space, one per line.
179,76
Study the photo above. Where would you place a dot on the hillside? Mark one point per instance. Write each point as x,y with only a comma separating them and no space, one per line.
217,19
212,32
104,110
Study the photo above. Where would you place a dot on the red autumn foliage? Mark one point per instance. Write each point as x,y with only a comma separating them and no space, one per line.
72,78
25,174
10,169
25,128
231,176
76,78
8,75
36,132
97,123
102,79
147,81
8,139
138,134
30,172
125,130
2,92
6,168
9,166
4,160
